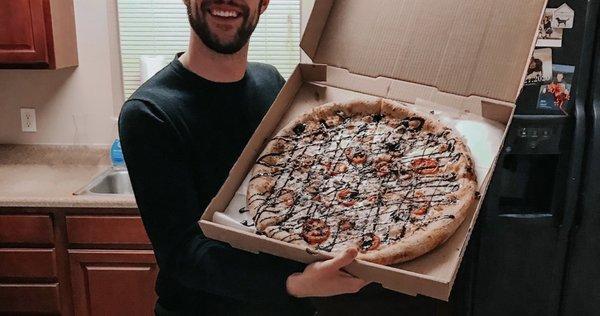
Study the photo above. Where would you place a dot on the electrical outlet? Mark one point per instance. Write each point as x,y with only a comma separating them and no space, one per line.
28,123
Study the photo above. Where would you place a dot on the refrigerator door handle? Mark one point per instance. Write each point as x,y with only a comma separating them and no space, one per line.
582,97
569,209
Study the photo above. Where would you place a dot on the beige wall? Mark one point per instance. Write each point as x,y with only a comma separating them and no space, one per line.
73,106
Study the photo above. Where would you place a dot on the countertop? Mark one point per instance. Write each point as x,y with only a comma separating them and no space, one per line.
47,176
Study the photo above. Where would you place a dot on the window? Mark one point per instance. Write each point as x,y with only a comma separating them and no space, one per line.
155,30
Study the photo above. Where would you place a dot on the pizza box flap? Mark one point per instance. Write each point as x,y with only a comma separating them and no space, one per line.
462,47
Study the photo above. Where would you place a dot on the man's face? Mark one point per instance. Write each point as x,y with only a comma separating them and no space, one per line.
224,26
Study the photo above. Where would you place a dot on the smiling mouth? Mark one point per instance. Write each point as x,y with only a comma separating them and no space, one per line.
226,14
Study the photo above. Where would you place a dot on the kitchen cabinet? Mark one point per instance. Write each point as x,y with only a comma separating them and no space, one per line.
113,282
75,261
18,299
37,34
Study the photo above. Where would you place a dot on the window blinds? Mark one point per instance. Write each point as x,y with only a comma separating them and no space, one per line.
160,28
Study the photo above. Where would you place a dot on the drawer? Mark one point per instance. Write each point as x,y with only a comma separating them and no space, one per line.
27,263
29,298
106,230
26,229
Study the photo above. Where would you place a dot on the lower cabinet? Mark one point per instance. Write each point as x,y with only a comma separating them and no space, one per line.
71,261
113,282
32,298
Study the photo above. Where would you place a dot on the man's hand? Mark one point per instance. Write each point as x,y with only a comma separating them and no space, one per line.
326,278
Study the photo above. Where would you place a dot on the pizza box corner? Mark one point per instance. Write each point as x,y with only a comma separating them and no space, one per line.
438,57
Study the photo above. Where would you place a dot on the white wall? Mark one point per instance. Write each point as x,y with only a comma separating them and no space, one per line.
73,106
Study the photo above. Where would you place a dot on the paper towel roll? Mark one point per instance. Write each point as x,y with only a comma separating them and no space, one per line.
150,65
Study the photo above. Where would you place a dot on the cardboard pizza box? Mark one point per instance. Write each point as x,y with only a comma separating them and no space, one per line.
465,61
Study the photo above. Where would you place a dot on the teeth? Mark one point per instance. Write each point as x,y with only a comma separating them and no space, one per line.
224,14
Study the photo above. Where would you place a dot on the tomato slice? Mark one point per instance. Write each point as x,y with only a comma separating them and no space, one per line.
420,211
425,165
315,231
345,196
369,241
345,224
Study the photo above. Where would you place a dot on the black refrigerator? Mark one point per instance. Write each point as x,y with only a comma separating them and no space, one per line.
535,249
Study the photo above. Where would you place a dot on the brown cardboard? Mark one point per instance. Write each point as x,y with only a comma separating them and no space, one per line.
311,85
460,47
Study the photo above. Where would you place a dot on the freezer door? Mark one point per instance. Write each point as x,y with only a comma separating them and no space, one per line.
581,291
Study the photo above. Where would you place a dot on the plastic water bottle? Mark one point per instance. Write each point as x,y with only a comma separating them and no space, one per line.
116,154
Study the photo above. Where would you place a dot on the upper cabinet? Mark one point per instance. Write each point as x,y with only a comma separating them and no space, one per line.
37,34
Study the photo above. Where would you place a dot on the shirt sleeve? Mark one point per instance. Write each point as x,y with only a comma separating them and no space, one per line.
165,192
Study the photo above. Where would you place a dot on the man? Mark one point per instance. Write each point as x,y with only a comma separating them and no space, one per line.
181,132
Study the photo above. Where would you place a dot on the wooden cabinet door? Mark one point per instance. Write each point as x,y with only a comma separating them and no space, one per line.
113,282
30,298
23,36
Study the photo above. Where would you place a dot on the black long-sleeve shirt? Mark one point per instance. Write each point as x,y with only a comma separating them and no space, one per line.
180,135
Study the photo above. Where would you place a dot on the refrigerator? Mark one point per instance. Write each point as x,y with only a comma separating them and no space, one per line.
535,249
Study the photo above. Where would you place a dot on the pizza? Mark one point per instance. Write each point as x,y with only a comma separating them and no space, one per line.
374,175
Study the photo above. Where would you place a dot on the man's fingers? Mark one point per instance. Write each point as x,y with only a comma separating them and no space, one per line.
341,260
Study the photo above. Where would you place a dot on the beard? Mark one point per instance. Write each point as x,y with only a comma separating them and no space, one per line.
200,26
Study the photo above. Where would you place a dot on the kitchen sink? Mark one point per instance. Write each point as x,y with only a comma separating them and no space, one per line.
112,181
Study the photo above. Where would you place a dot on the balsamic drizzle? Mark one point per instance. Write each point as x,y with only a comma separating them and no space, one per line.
243,210
306,170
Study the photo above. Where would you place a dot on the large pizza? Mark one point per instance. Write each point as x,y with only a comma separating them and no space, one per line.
374,175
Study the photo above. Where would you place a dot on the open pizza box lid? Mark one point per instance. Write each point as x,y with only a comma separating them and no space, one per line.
465,48
468,57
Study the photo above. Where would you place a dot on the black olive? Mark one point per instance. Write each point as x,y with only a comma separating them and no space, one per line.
377,117
370,241
299,129
367,243
393,146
